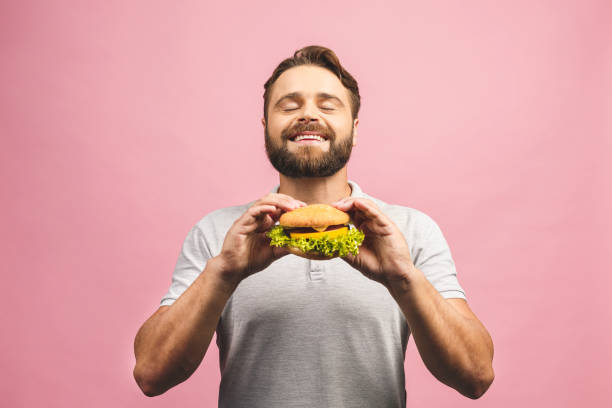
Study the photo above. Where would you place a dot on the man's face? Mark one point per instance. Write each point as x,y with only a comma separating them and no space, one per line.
309,98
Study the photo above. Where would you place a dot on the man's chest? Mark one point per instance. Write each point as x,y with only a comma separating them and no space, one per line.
298,297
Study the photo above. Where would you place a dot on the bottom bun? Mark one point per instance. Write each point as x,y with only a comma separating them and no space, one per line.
315,255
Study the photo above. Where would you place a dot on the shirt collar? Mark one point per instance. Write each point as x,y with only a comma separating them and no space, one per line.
356,190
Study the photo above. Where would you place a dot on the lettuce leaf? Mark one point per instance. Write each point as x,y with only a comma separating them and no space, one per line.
341,246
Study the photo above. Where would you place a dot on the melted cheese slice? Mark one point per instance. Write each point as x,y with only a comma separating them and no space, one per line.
330,234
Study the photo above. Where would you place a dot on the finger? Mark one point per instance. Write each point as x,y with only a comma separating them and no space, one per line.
276,215
368,209
265,224
372,212
359,220
257,212
255,216
288,197
285,202
343,200
283,197
363,211
348,205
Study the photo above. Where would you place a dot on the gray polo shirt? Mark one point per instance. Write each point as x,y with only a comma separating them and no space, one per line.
305,333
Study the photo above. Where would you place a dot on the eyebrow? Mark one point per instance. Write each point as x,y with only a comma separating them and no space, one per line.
298,95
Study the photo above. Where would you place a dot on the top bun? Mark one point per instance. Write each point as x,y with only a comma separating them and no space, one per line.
314,215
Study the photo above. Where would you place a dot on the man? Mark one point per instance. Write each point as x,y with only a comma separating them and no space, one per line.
294,332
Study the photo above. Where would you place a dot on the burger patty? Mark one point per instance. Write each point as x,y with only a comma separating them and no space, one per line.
305,230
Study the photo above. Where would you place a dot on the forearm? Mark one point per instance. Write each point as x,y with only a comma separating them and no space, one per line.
457,350
170,346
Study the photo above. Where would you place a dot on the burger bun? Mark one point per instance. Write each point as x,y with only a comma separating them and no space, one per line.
314,215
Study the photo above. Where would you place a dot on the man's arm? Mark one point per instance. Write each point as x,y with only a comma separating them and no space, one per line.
454,345
171,344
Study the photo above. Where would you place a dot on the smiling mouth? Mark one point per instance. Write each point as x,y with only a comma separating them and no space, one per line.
307,138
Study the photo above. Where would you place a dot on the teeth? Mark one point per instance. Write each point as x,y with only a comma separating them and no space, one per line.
300,137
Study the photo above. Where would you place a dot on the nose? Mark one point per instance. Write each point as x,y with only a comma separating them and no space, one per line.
308,114
307,119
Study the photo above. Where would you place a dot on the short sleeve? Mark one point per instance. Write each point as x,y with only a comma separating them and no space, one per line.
437,264
190,263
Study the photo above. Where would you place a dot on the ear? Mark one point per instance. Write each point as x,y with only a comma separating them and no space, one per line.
263,122
355,131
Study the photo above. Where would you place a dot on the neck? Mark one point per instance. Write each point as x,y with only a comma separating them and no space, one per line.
320,190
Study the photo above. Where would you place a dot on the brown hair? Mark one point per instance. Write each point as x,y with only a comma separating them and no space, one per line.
322,57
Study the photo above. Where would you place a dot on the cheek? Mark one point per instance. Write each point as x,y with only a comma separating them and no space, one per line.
341,125
276,126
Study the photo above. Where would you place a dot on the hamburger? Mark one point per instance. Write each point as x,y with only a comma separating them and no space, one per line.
316,231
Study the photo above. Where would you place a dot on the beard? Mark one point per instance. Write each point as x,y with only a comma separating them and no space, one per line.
310,161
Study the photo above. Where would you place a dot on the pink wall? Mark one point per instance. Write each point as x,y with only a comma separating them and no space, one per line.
125,122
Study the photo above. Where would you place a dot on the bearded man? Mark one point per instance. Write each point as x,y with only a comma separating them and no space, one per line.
296,332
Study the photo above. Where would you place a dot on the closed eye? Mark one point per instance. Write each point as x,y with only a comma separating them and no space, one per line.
323,107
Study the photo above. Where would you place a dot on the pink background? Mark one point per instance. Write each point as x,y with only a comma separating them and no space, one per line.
125,122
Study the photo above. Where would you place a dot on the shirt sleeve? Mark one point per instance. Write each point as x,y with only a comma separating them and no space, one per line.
436,262
191,261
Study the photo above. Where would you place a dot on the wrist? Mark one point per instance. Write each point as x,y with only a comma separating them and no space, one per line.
409,277
223,275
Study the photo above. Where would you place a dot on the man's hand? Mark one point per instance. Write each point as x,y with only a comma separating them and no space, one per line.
246,249
384,255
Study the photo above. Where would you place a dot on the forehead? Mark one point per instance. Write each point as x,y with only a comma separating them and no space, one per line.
308,80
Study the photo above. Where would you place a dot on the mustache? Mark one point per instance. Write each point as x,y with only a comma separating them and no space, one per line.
314,127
